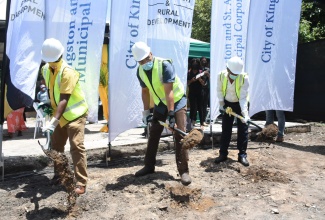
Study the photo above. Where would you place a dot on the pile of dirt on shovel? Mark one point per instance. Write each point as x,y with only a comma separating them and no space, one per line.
66,175
267,134
192,139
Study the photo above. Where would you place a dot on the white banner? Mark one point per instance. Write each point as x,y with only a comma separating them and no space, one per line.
23,48
229,23
128,25
80,26
3,6
271,54
169,32
166,27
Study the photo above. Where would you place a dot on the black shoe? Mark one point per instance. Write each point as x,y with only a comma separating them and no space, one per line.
186,179
220,159
244,161
144,171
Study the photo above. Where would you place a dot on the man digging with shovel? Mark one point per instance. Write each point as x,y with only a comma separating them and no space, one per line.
157,77
232,92
70,110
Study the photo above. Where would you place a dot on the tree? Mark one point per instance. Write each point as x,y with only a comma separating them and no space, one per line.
312,21
201,28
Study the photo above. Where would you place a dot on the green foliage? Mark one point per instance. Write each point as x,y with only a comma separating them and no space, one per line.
312,21
202,20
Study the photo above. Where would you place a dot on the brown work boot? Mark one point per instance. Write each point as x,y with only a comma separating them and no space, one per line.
186,179
80,189
144,171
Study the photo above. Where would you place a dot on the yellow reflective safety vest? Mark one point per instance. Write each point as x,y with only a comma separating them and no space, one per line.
156,88
77,105
239,81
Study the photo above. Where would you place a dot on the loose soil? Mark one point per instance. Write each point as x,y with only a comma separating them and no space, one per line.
284,181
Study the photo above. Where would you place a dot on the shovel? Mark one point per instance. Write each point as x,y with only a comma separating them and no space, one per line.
172,129
47,146
189,140
230,112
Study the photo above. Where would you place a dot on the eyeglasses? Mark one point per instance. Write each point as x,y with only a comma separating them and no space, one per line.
145,60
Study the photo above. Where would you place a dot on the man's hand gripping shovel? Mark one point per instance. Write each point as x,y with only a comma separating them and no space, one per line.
230,112
190,140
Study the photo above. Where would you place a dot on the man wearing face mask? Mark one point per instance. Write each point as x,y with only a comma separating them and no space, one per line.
70,110
158,79
232,91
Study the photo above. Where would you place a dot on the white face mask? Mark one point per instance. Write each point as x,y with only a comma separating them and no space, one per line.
233,77
148,65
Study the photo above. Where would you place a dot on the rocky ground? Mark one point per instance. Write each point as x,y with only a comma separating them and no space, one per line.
284,181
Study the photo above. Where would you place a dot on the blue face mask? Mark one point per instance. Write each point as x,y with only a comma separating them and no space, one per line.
148,65
233,77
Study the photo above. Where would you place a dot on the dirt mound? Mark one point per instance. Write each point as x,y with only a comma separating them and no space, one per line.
188,197
256,174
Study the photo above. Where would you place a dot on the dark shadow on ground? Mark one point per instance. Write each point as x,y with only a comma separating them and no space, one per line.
210,166
46,213
130,179
316,149
35,189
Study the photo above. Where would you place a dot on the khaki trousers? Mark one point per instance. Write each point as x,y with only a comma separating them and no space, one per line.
75,131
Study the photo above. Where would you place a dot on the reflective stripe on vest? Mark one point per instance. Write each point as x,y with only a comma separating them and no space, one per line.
157,90
239,81
77,106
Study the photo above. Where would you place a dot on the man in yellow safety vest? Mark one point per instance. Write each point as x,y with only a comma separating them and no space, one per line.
70,109
232,91
158,79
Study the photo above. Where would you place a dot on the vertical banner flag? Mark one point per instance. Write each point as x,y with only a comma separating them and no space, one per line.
128,25
229,24
166,27
169,32
271,54
23,50
80,26
3,6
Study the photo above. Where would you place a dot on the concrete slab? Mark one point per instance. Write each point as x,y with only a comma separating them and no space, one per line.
26,145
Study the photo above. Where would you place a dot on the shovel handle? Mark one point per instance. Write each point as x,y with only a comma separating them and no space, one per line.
230,112
180,131
46,146
172,129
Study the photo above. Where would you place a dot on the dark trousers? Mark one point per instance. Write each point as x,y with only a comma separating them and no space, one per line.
205,103
196,104
154,137
242,131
